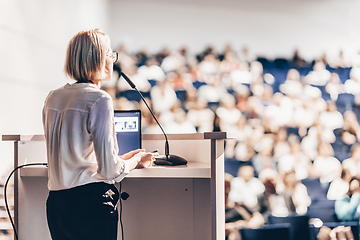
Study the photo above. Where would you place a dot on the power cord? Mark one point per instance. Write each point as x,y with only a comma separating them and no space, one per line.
5,189
123,196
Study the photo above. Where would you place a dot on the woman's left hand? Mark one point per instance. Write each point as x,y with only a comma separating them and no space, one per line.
146,160
129,155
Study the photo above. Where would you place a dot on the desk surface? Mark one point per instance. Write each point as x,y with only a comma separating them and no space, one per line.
191,170
183,136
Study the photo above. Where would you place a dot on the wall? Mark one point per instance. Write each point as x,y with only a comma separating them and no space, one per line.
269,28
33,39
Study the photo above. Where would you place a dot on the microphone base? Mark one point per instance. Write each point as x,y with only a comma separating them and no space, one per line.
170,160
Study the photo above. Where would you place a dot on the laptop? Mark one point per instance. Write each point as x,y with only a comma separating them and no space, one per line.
128,130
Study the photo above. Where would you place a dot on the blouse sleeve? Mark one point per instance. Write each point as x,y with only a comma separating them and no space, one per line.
102,128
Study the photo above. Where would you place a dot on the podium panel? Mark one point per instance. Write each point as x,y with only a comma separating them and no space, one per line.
179,202
166,209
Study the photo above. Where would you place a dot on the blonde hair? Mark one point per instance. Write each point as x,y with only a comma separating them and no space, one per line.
85,56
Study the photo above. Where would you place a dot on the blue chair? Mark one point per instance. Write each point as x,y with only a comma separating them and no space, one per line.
181,95
267,64
345,102
131,95
267,232
279,75
324,210
152,82
198,84
293,130
299,225
344,74
281,63
315,189
213,105
232,166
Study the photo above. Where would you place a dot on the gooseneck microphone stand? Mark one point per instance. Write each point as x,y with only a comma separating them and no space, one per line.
168,159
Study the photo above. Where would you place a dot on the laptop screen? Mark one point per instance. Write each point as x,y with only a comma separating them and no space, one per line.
128,130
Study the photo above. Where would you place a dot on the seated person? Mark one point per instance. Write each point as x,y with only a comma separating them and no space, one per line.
238,215
338,233
353,163
297,191
325,166
274,201
245,187
340,186
346,208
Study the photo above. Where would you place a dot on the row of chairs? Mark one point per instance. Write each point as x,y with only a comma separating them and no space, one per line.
280,66
295,227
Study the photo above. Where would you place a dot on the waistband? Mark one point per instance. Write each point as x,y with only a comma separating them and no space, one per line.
90,188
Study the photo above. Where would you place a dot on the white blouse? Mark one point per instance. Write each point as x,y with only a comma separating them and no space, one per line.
81,144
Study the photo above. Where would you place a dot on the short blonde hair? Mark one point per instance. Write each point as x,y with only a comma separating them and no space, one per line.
85,56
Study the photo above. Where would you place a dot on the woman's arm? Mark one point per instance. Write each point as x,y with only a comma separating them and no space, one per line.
101,127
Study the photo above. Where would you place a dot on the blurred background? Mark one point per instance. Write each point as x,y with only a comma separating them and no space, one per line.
282,74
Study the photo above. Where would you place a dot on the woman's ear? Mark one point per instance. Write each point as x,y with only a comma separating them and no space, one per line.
108,69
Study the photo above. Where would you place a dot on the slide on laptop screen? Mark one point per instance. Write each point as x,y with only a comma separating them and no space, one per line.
128,130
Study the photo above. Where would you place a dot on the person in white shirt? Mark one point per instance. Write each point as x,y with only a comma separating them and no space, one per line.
297,191
331,118
82,152
163,96
245,187
325,166
340,186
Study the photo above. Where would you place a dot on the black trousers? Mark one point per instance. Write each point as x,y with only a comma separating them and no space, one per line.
85,212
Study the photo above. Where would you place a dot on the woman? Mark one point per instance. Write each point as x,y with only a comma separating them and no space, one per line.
346,208
81,145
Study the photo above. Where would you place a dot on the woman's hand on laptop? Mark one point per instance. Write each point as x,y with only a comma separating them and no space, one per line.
131,154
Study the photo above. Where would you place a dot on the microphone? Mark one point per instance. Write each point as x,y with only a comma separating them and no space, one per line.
167,159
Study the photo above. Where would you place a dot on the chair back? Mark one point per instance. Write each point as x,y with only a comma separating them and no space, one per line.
299,225
268,232
324,210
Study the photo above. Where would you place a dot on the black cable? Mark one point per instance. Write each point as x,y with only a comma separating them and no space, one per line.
120,215
6,184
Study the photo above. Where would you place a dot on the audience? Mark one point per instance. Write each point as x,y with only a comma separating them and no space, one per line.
288,116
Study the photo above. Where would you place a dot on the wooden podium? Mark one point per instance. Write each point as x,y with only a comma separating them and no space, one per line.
167,203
